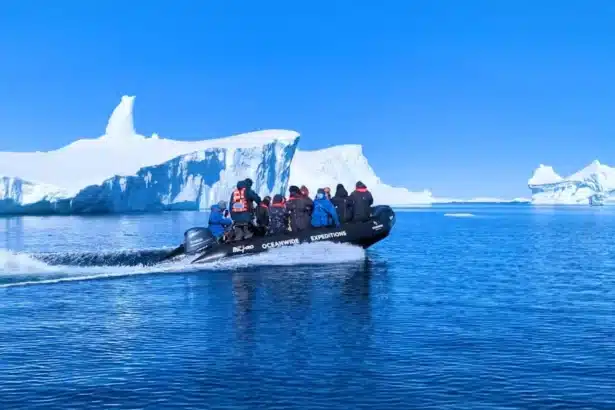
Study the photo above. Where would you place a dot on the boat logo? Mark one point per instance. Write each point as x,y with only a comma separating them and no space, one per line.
242,248
377,227
327,236
269,245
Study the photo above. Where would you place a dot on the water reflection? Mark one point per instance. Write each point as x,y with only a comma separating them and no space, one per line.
244,294
304,305
13,233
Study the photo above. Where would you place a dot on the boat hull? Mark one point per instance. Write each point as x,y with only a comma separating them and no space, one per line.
363,234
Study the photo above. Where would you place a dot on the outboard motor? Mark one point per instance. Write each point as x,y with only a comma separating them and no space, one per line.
384,215
197,240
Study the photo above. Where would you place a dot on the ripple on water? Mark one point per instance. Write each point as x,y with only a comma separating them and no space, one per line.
513,310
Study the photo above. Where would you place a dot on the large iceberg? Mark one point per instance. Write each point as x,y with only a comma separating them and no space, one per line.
593,185
123,171
120,151
346,164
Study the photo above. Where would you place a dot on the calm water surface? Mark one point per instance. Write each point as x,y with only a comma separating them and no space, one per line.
513,307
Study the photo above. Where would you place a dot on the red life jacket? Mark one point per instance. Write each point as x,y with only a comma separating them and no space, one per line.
361,189
263,205
279,204
239,201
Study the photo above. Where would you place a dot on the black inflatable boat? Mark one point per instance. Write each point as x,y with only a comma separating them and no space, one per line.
200,244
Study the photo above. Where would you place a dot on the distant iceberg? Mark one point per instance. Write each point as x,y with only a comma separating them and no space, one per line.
122,171
593,185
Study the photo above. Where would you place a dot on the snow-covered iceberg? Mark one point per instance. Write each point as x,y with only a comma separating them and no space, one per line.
120,151
593,185
123,171
346,164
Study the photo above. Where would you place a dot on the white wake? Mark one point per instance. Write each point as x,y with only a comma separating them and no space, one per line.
24,269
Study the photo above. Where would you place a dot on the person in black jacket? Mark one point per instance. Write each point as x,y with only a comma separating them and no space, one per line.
262,216
242,209
278,216
342,203
362,200
306,193
300,209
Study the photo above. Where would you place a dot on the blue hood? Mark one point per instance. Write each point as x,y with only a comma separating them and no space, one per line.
215,208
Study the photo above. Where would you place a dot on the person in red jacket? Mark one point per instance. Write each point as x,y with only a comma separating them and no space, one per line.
262,216
242,203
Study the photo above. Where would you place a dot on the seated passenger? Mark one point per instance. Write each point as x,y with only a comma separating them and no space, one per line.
343,204
242,209
219,220
278,216
324,213
299,208
306,193
362,200
262,216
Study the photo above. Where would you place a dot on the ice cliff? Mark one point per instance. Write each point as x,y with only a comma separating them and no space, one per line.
17,195
123,171
192,181
594,184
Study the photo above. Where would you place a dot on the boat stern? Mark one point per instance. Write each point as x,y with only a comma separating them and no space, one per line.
385,216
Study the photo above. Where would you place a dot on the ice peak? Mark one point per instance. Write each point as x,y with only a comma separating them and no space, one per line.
120,125
544,174
594,168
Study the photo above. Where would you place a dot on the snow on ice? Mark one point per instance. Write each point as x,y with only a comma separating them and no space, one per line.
346,164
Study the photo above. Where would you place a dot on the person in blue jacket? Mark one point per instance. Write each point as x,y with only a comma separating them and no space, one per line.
324,213
219,220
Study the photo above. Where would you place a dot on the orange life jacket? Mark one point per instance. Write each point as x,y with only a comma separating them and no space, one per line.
239,201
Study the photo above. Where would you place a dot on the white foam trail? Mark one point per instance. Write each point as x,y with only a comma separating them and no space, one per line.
314,253
18,263
460,215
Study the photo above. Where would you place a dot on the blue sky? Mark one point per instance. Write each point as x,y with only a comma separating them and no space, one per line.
463,98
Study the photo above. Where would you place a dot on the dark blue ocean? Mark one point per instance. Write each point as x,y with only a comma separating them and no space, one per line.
510,308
